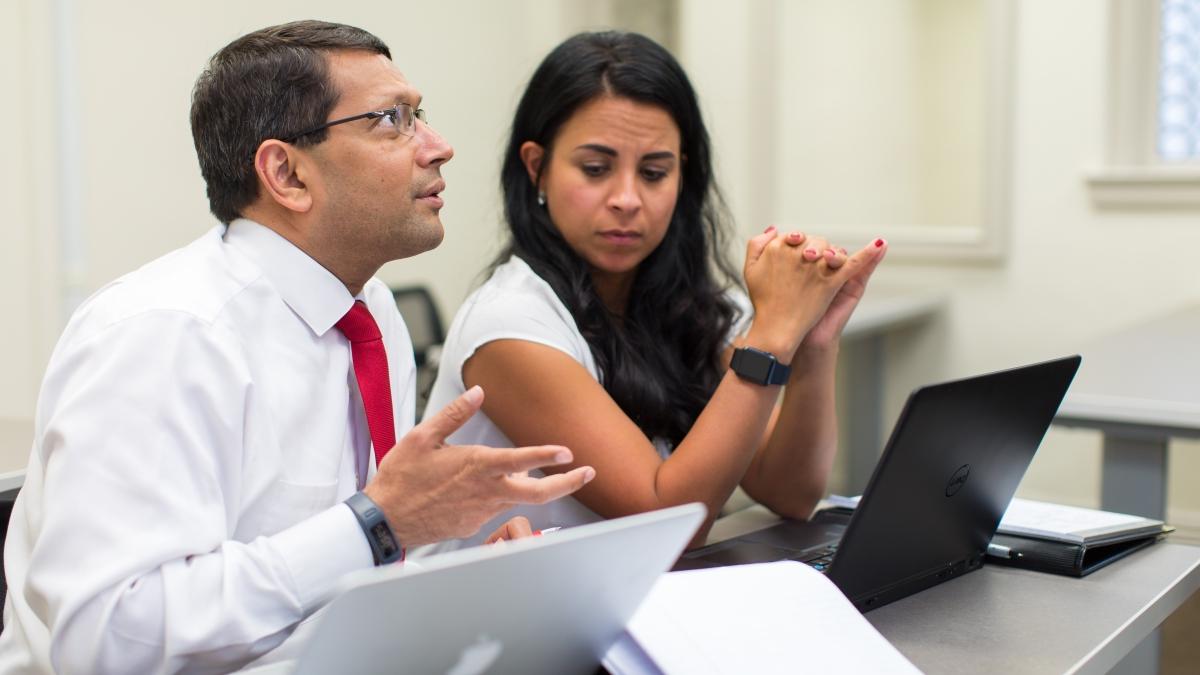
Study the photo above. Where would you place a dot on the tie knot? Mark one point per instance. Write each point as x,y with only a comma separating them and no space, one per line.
358,325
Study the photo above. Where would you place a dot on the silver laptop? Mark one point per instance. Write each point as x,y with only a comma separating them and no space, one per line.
549,604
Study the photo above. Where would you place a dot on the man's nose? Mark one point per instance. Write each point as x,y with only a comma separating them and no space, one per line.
435,151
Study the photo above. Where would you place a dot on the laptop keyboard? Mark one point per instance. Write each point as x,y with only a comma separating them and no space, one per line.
819,559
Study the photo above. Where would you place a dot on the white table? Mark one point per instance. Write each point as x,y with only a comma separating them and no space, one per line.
882,311
1140,387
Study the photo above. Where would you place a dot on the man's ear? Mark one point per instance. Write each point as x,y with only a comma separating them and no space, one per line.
278,166
531,156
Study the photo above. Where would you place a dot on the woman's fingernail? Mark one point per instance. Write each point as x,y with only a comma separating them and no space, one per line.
769,229
878,243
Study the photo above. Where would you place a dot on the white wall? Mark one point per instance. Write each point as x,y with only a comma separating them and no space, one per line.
1071,272
99,174
28,261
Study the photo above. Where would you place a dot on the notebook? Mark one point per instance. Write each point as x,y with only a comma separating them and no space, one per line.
1068,539
948,472
552,604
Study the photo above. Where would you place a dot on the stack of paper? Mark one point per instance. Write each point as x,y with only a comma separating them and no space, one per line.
781,617
1072,524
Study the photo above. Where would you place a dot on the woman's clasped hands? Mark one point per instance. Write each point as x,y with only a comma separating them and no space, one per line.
804,289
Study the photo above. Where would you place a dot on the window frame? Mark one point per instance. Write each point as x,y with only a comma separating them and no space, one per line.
1132,175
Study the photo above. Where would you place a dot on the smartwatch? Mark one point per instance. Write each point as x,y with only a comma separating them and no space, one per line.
759,367
385,548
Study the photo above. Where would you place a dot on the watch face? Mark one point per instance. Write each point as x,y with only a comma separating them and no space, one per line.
753,365
383,535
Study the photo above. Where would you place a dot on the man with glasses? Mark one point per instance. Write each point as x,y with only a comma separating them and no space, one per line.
216,436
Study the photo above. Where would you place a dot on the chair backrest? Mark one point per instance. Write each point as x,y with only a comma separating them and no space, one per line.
424,322
6,506
425,328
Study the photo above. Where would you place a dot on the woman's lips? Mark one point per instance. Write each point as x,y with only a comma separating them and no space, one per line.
621,237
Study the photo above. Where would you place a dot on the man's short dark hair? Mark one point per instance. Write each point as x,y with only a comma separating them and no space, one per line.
272,83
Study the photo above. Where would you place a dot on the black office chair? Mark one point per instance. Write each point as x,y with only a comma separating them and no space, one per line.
424,322
6,507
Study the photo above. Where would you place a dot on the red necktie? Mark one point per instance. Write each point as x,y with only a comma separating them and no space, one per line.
371,371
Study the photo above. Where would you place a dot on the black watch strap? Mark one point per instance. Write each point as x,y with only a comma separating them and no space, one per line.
759,367
385,548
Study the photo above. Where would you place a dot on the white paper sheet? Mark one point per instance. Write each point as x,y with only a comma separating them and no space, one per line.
781,617
1066,523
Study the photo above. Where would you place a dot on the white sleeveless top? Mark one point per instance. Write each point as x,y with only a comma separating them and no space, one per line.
517,304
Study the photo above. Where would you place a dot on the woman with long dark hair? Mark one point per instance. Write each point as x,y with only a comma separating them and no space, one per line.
612,322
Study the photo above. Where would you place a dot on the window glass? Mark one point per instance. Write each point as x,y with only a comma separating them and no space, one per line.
1179,82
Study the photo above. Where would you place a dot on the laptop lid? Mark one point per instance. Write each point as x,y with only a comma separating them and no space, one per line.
551,604
949,470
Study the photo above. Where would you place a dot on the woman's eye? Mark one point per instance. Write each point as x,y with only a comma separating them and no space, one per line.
653,175
594,170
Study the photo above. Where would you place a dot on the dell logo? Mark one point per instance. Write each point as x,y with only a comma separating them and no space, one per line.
958,480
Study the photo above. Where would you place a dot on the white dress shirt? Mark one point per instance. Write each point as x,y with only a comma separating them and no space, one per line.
197,429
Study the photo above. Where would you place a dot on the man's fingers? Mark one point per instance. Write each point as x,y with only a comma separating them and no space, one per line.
454,415
515,528
529,490
518,528
508,461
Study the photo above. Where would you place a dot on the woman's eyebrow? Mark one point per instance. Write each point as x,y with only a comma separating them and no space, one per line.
596,147
605,150
662,154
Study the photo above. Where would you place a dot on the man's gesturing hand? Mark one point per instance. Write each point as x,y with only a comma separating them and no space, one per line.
431,491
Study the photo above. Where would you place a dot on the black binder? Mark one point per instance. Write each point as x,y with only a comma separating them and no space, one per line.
1070,559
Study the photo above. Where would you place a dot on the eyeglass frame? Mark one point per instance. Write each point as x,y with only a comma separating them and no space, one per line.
417,114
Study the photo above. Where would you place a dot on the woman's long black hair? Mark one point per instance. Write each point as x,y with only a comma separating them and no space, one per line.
661,361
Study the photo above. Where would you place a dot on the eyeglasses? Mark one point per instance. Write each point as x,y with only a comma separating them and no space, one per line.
403,118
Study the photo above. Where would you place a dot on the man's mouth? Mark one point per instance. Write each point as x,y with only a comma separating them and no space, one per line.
433,194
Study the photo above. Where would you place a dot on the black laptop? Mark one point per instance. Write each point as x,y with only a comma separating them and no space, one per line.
946,476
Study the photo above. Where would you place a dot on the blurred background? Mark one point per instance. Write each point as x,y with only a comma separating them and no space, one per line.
1028,161
1035,165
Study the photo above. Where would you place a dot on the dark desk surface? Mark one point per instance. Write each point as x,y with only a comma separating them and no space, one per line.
1005,620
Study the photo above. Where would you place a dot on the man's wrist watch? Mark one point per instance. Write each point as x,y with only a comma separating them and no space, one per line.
385,548
759,367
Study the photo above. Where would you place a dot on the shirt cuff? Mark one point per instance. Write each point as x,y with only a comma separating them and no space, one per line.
321,550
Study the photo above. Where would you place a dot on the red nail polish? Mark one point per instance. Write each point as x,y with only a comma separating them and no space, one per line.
769,229
878,243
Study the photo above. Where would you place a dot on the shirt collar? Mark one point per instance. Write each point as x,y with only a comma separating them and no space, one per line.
311,291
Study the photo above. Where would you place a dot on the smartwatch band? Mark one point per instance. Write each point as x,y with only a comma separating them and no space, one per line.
759,367
385,548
